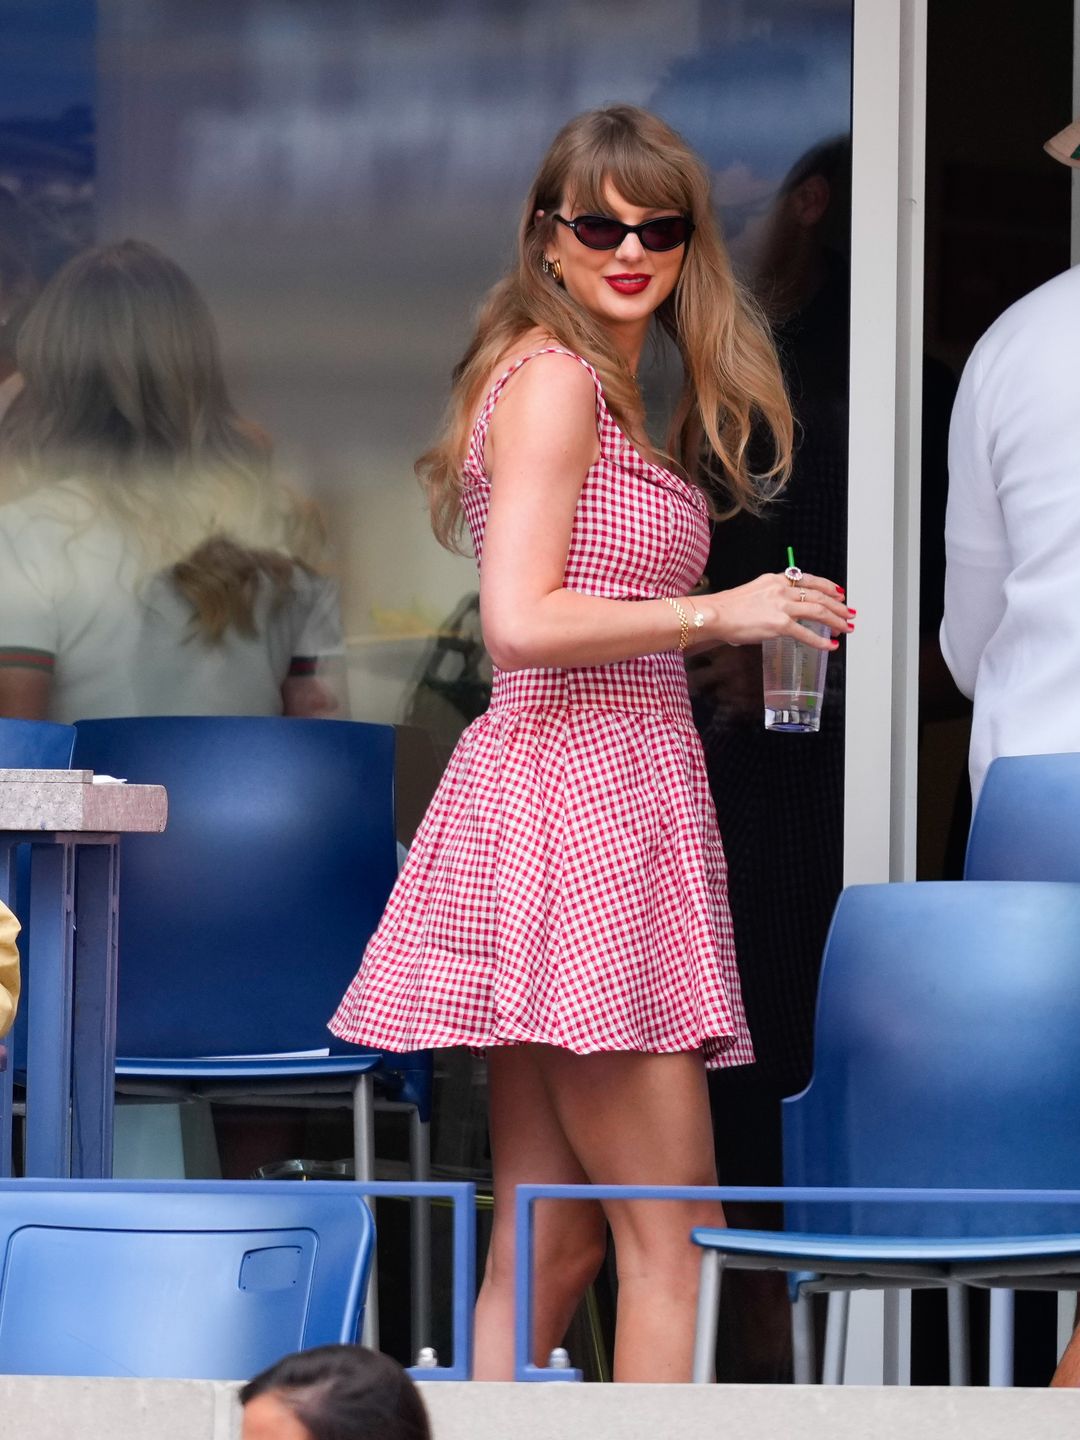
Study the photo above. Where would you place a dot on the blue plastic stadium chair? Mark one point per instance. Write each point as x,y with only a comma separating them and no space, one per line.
24,745
945,1056
243,924
35,745
1027,822
1026,826
209,1280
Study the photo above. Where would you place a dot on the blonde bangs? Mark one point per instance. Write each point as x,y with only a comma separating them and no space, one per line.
641,176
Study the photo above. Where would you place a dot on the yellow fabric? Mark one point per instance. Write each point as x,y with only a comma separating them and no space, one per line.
9,969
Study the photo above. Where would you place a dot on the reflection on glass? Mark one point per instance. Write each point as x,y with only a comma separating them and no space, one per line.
780,798
150,563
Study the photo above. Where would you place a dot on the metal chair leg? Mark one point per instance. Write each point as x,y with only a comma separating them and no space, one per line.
896,1366
364,1169
959,1346
1001,1336
1066,1319
708,1317
836,1333
802,1339
420,1234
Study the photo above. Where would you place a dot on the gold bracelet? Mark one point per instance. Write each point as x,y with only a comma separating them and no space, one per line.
684,622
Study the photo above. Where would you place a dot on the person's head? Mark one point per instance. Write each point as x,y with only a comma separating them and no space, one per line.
625,164
809,220
335,1392
124,395
122,373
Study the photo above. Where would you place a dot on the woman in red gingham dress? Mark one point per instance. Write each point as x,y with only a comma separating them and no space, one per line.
564,902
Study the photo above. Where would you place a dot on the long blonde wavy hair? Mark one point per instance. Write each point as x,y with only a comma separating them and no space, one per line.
733,388
124,410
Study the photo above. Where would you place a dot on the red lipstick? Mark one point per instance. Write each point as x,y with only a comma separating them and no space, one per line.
628,284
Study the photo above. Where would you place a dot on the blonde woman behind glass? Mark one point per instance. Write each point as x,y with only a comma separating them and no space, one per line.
149,561
564,902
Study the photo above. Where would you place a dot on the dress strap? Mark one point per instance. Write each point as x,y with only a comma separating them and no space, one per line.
483,420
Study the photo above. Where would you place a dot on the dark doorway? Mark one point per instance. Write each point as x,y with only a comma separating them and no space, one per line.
997,226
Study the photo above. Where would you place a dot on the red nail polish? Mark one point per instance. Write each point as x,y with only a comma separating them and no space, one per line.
839,590
835,644
852,612
850,626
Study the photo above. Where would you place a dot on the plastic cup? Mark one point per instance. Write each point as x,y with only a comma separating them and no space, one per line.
794,680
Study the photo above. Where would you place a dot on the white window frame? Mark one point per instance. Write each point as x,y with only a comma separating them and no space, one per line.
888,170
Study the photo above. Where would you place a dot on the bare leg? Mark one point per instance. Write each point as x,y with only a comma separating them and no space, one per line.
1067,1374
528,1146
643,1119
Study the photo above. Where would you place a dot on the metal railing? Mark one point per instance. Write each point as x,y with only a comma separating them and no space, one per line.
528,1195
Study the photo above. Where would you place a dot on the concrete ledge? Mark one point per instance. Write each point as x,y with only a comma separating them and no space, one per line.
71,1409
748,1412
47,1407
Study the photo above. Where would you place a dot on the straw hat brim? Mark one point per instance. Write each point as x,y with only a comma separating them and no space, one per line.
1065,145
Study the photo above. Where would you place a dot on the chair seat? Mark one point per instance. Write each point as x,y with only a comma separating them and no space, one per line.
248,1067
404,1079
882,1253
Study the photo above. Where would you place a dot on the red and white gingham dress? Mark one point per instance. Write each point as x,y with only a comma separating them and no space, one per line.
567,885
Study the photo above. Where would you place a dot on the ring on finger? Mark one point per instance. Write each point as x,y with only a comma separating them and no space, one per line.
802,593
793,575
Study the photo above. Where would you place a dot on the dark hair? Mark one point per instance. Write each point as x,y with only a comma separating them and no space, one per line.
344,1392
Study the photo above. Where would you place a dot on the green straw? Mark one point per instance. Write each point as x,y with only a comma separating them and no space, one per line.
791,557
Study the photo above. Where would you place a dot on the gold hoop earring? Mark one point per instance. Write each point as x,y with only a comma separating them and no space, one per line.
556,270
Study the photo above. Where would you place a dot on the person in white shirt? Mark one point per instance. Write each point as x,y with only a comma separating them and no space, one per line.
1011,632
150,561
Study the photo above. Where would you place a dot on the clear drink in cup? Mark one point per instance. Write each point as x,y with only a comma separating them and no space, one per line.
794,681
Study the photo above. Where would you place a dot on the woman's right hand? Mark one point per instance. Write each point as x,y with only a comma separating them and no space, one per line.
771,605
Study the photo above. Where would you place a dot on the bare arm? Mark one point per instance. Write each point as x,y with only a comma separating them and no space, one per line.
24,693
541,443
308,697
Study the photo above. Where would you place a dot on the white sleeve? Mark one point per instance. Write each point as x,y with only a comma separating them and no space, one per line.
321,632
976,546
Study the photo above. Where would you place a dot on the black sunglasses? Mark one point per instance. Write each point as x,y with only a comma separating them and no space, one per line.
599,232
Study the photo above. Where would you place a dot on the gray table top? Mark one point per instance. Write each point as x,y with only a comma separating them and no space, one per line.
72,802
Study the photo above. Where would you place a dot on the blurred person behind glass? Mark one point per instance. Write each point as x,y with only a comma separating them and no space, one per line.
779,798
150,563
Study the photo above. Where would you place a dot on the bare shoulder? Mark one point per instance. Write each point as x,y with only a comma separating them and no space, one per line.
555,379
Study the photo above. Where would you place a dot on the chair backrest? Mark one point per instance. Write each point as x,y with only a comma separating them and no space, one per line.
1027,822
192,1280
242,925
945,1056
35,745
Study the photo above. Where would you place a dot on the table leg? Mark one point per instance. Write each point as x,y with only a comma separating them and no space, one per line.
48,1059
7,1073
93,1077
